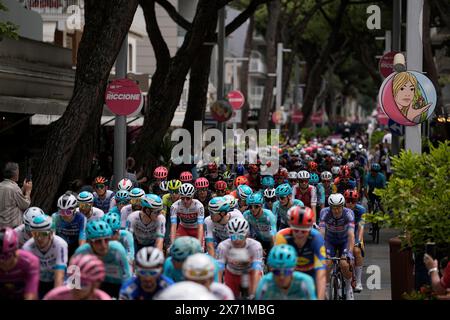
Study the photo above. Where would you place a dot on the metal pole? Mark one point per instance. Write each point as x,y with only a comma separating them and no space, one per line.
220,67
120,126
279,77
296,89
396,46
414,56
235,85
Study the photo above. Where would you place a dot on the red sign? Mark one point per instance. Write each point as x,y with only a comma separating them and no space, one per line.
316,117
236,99
123,97
297,116
386,65
221,111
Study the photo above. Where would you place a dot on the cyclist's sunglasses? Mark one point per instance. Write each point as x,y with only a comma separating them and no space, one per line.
174,191
235,237
40,234
348,200
99,186
202,189
270,199
255,206
148,272
304,180
186,198
66,212
135,200
284,272
83,205
100,240
282,197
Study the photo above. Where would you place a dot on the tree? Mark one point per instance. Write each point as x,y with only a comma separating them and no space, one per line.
7,29
107,23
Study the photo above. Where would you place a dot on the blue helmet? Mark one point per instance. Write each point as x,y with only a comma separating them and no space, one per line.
122,196
283,190
268,182
183,247
314,179
136,193
255,199
113,219
244,191
218,204
96,229
282,256
240,170
376,167
85,196
152,201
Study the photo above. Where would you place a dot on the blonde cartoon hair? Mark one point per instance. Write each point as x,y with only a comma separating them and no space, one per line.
399,81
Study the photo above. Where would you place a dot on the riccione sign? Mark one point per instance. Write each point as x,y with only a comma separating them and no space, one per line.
123,97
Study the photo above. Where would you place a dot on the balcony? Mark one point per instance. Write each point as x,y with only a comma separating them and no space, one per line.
53,7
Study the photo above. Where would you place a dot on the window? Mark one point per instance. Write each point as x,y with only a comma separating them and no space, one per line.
130,57
256,96
256,64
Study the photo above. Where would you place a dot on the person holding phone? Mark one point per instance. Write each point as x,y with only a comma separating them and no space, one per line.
440,285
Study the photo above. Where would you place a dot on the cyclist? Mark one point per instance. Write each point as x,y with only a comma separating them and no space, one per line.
112,253
203,192
282,205
149,279
314,179
307,193
241,180
344,181
200,268
148,225
23,231
253,177
351,202
374,179
173,195
123,236
309,245
19,269
335,171
216,222
220,188
86,206
281,176
123,185
267,182
269,198
121,200
313,167
233,269
136,194
181,248
51,251
183,289
69,224
91,271
159,174
228,177
243,192
337,226
190,212
232,201
102,196
186,177
324,189
212,173
283,283
293,181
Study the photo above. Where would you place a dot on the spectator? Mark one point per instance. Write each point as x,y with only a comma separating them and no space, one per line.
439,285
13,200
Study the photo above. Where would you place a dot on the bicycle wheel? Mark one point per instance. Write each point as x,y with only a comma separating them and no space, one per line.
343,296
334,288
374,231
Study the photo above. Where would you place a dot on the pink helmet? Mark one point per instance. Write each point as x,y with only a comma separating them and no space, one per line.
160,172
186,176
8,240
201,183
92,268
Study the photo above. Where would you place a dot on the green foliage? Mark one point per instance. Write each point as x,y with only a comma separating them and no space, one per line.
309,133
376,138
418,196
7,29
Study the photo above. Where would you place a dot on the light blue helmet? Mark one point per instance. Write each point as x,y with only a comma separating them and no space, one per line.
282,256
268,182
314,179
41,223
151,201
96,229
255,199
183,247
85,197
283,190
122,196
113,219
244,191
136,193
218,204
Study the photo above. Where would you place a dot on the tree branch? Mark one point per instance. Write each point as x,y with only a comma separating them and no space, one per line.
326,16
173,13
243,16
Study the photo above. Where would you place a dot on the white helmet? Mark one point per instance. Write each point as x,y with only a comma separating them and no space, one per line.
335,170
303,174
164,185
198,266
336,199
41,223
149,257
67,201
125,184
238,226
231,200
185,290
30,213
187,190
269,193
292,175
326,175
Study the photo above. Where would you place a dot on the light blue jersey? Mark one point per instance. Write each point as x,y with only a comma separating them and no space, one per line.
302,288
263,228
177,274
280,212
126,239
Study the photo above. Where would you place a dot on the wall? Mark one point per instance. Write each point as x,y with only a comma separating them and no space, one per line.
29,22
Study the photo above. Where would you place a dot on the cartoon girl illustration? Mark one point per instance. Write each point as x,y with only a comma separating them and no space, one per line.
408,97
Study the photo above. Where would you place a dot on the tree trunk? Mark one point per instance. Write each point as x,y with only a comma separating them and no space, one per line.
245,68
274,9
107,23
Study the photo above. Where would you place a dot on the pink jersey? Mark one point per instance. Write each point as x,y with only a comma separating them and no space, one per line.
65,293
22,279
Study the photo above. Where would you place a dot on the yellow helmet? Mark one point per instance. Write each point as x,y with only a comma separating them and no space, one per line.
174,185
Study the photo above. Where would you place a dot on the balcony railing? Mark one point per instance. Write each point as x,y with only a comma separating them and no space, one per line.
52,7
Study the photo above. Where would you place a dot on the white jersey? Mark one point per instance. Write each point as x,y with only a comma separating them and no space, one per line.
254,249
54,259
124,214
189,217
96,214
146,234
221,291
22,234
216,231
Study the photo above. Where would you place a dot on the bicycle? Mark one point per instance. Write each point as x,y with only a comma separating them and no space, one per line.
337,284
375,227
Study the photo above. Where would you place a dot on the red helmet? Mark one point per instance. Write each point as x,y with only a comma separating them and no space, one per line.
9,241
253,168
282,172
186,176
201,183
312,166
300,217
351,194
100,180
309,150
220,185
240,180
91,268
160,172
344,172
212,167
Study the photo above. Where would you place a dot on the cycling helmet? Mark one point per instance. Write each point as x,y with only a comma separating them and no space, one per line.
198,266
201,183
67,201
304,175
160,172
151,201
268,182
232,201
241,180
335,170
300,218
9,242
90,268
85,197
125,184
255,199
282,256
282,173
183,289
212,167
253,168
238,226
269,193
96,229
183,247
314,179
163,185
312,166
220,185
100,180
41,223
375,167
240,170
326,175
351,194
336,199
227,175
293,175
283,190
218,204
187,190
337,161
243,191
174,185
30,214
113,219
186,176
136,193
122,196
149,258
